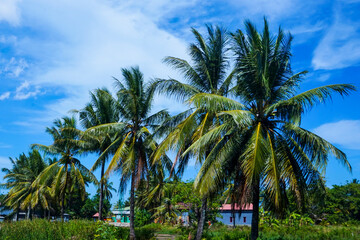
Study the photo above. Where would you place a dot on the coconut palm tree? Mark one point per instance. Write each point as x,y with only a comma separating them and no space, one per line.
20,178
101,109
136,144
208,74
260,143
68,172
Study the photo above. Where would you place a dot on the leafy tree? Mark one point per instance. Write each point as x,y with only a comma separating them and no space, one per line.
342,203
67,173
101,109
90,206
136,143
206,75
259,142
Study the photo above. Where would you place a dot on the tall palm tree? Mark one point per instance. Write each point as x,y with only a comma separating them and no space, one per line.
101,109
208,74
20,179
135,143
260,143
68,172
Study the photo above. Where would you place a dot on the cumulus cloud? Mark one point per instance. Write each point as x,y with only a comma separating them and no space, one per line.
4,96
9,11
346,133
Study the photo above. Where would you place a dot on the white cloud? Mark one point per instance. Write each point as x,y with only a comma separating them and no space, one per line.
88,42
14,67
346,133
9,11
4,96
24,91
340,46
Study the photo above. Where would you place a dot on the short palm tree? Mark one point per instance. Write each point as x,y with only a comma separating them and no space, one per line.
136,143
259,143
20,179
101,109
208,74
68,172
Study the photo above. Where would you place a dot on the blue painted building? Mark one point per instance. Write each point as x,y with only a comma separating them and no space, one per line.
228,218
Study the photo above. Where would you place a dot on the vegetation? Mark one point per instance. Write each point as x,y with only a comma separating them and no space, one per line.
89,230
243,127
259,143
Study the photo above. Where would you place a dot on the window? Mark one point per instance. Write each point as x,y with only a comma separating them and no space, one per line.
230,219
244,219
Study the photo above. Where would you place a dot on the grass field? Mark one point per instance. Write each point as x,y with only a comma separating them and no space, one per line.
83,229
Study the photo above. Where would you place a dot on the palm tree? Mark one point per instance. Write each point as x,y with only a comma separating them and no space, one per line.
209,74
260,144
101,109
136,143
68,172
20,179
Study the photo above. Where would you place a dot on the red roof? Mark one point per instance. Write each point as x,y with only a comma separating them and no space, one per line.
96,215
227,207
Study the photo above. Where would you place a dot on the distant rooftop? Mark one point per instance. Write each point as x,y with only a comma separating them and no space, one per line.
227,207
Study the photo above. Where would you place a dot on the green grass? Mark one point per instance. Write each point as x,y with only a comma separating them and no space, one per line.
81,229
43,229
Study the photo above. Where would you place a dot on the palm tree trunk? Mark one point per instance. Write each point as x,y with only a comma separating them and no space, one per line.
255,215
132,207
201,222
63,194
28,213
234,216
101,191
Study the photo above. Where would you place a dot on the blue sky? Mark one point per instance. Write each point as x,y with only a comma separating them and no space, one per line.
52,53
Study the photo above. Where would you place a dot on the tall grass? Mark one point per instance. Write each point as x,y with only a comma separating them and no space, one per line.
42,229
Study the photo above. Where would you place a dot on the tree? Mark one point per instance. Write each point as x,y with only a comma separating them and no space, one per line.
101,109
207,75
136,143
342,203
259,142
20,178
68,172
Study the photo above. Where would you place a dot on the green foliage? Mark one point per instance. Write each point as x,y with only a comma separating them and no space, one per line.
343,203
283,232
91,205
40,229
142,217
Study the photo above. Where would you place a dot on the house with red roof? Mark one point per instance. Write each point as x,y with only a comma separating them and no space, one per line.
241,216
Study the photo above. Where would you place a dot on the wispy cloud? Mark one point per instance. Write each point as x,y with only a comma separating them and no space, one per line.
80,45
346,133
24,91
340,46
13,67
4,96
9,11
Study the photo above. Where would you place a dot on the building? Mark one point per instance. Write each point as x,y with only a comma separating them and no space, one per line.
242,217
121,215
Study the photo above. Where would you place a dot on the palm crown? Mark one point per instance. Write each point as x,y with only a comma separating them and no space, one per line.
260,142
